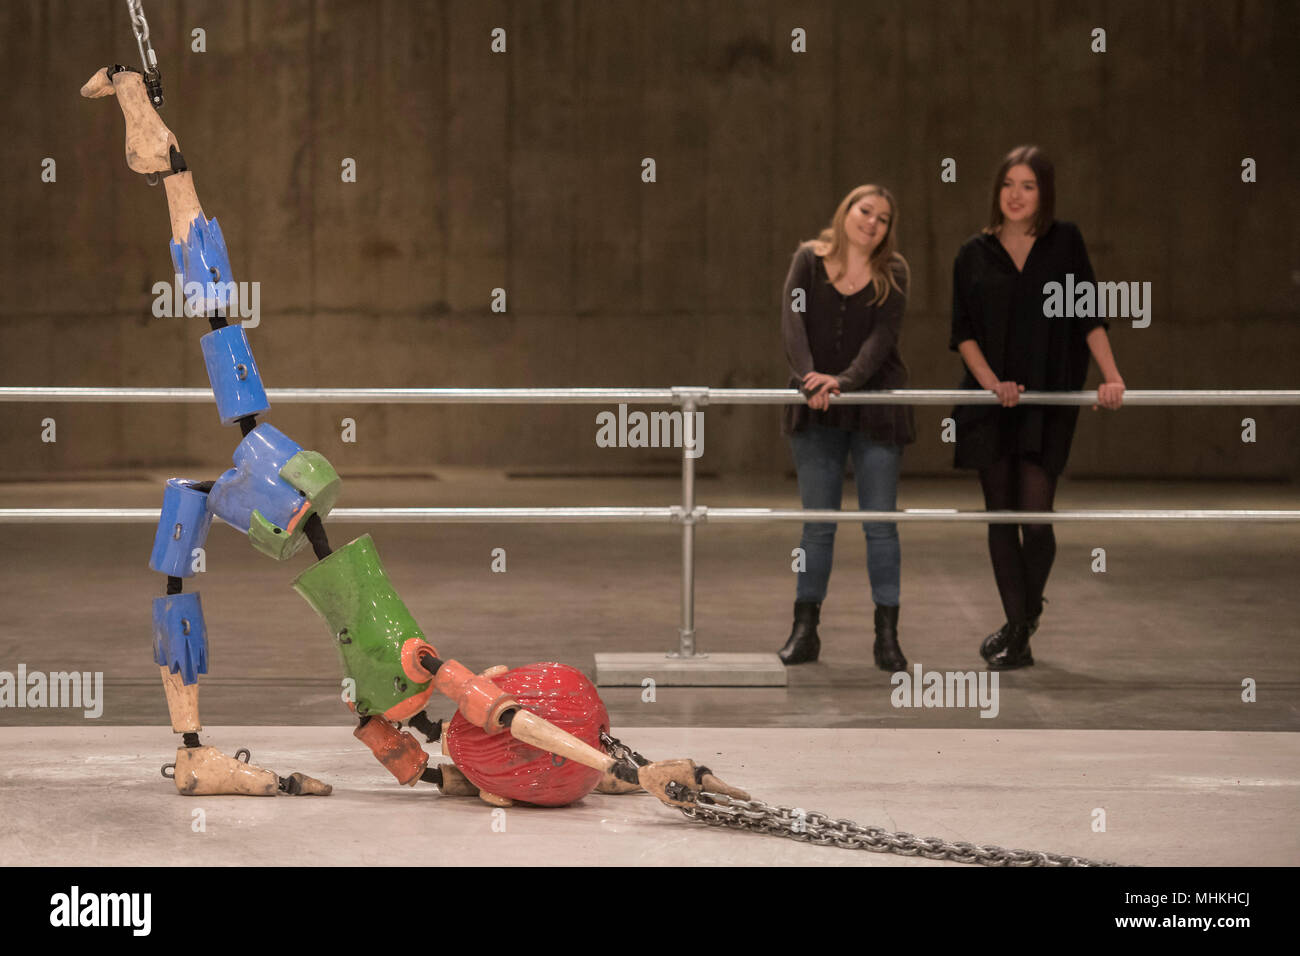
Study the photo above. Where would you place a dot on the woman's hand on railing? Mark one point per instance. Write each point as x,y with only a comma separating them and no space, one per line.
820,387
1008,393
1110,394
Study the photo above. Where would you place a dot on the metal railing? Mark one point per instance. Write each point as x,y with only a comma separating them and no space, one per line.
688,514
644,396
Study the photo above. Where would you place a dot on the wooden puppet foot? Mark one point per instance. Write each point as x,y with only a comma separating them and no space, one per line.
147,137
201,771
495,800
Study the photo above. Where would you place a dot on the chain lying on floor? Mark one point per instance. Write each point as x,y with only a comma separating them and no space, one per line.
810,826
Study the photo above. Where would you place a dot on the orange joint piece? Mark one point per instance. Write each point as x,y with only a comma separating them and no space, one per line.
481,701
293,522
406,709
411,665
395,749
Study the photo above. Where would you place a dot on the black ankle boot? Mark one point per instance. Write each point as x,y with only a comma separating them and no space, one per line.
1015,652
998,639
803,645
889,656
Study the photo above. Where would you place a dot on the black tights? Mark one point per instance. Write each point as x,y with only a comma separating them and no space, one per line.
1020,567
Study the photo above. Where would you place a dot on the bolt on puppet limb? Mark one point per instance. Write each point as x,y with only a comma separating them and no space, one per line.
536,734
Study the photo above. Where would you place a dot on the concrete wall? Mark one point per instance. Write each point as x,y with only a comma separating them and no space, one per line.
522,171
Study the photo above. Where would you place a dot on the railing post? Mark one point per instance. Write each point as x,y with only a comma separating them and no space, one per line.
691,400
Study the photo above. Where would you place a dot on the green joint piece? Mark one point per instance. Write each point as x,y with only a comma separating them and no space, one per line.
310,473
273,540
351,591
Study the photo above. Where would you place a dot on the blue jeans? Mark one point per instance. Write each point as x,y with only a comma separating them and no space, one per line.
819,455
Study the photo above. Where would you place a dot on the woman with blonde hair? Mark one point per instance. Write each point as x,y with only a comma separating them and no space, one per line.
841,321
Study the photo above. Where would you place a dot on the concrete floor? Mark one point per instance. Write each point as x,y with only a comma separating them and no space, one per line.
1134,706
1169,798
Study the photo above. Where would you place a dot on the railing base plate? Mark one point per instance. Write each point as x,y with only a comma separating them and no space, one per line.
703,670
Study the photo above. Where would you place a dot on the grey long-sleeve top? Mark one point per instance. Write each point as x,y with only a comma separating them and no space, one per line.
851,338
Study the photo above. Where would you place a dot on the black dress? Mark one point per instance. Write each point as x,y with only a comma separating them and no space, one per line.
1002,310
852,338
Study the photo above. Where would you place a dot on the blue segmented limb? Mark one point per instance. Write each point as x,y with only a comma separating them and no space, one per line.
180,641
180,637
179,631
204,264
255,484
236,382
182,527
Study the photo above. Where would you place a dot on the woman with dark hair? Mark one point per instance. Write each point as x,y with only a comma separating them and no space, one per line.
843,312
1004,334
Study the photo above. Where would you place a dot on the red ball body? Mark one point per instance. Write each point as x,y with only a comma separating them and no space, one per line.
500,764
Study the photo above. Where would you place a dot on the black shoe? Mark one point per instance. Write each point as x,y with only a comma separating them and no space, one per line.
1015,652
803,644
888,655
998,639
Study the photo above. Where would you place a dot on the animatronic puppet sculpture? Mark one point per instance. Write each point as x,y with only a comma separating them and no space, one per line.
537,734
502,743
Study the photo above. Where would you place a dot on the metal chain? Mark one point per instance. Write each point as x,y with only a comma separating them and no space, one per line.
621,752
629,760
140,27
810,826
717,809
